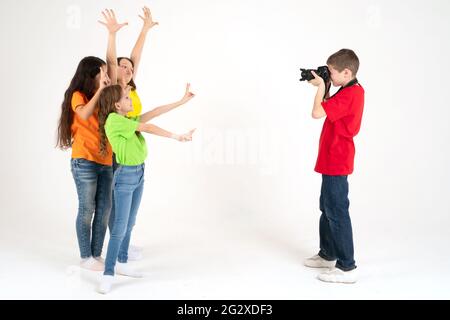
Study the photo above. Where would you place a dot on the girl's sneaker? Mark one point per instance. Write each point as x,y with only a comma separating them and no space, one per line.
92,264
125,269
100,259
105,284
134,253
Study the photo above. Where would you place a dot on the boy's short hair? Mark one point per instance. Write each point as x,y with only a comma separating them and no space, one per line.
344,58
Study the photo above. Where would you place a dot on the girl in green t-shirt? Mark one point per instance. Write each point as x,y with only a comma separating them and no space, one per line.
127,142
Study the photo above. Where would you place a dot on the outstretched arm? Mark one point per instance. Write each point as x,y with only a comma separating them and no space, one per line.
168,107
151,128
111,56
139,46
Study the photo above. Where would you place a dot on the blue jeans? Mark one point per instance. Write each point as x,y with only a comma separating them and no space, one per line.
128,185
336,238
93,182
112,215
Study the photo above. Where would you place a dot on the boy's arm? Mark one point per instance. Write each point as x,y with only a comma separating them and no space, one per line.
318,111
145,117
139,46
151,128
111,56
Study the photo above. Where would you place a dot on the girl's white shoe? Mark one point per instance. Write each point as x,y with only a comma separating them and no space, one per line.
105,284
125,269
92,264
134,253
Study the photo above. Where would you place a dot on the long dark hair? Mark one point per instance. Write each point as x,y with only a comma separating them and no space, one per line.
83,81
106,105
131,83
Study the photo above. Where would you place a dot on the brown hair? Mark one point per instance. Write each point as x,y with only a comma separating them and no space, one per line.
131,83
85,82
107,105
344,59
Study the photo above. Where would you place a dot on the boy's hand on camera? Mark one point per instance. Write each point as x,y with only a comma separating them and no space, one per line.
317,81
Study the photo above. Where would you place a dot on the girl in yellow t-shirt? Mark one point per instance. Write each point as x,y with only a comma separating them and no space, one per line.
128,67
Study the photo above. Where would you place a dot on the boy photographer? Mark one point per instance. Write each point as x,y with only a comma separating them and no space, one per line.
343,112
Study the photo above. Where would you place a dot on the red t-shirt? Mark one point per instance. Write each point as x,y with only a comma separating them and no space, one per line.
336,148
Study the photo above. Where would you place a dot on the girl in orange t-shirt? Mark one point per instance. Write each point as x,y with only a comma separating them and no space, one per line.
78,129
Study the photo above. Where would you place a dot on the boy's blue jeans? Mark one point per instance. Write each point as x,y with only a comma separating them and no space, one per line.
128,184
336,238
93,183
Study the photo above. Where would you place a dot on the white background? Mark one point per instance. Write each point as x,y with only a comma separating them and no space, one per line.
233,214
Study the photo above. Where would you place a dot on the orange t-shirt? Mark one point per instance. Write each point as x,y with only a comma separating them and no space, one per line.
86,138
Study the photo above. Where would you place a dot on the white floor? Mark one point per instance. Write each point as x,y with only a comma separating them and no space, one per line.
253,258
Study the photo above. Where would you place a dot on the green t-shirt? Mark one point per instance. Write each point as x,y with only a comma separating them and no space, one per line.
128,145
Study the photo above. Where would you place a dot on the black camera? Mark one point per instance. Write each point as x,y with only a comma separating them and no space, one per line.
322,72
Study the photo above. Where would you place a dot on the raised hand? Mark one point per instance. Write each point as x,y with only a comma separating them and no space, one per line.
147,18
187,95
110,21
104,79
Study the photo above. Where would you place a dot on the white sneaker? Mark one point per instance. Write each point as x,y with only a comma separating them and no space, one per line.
125,269
105,284
135,248
100,259
92,264
336,275
134,253
319,262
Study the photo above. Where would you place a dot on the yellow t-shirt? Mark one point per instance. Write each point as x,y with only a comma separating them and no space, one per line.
137,106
